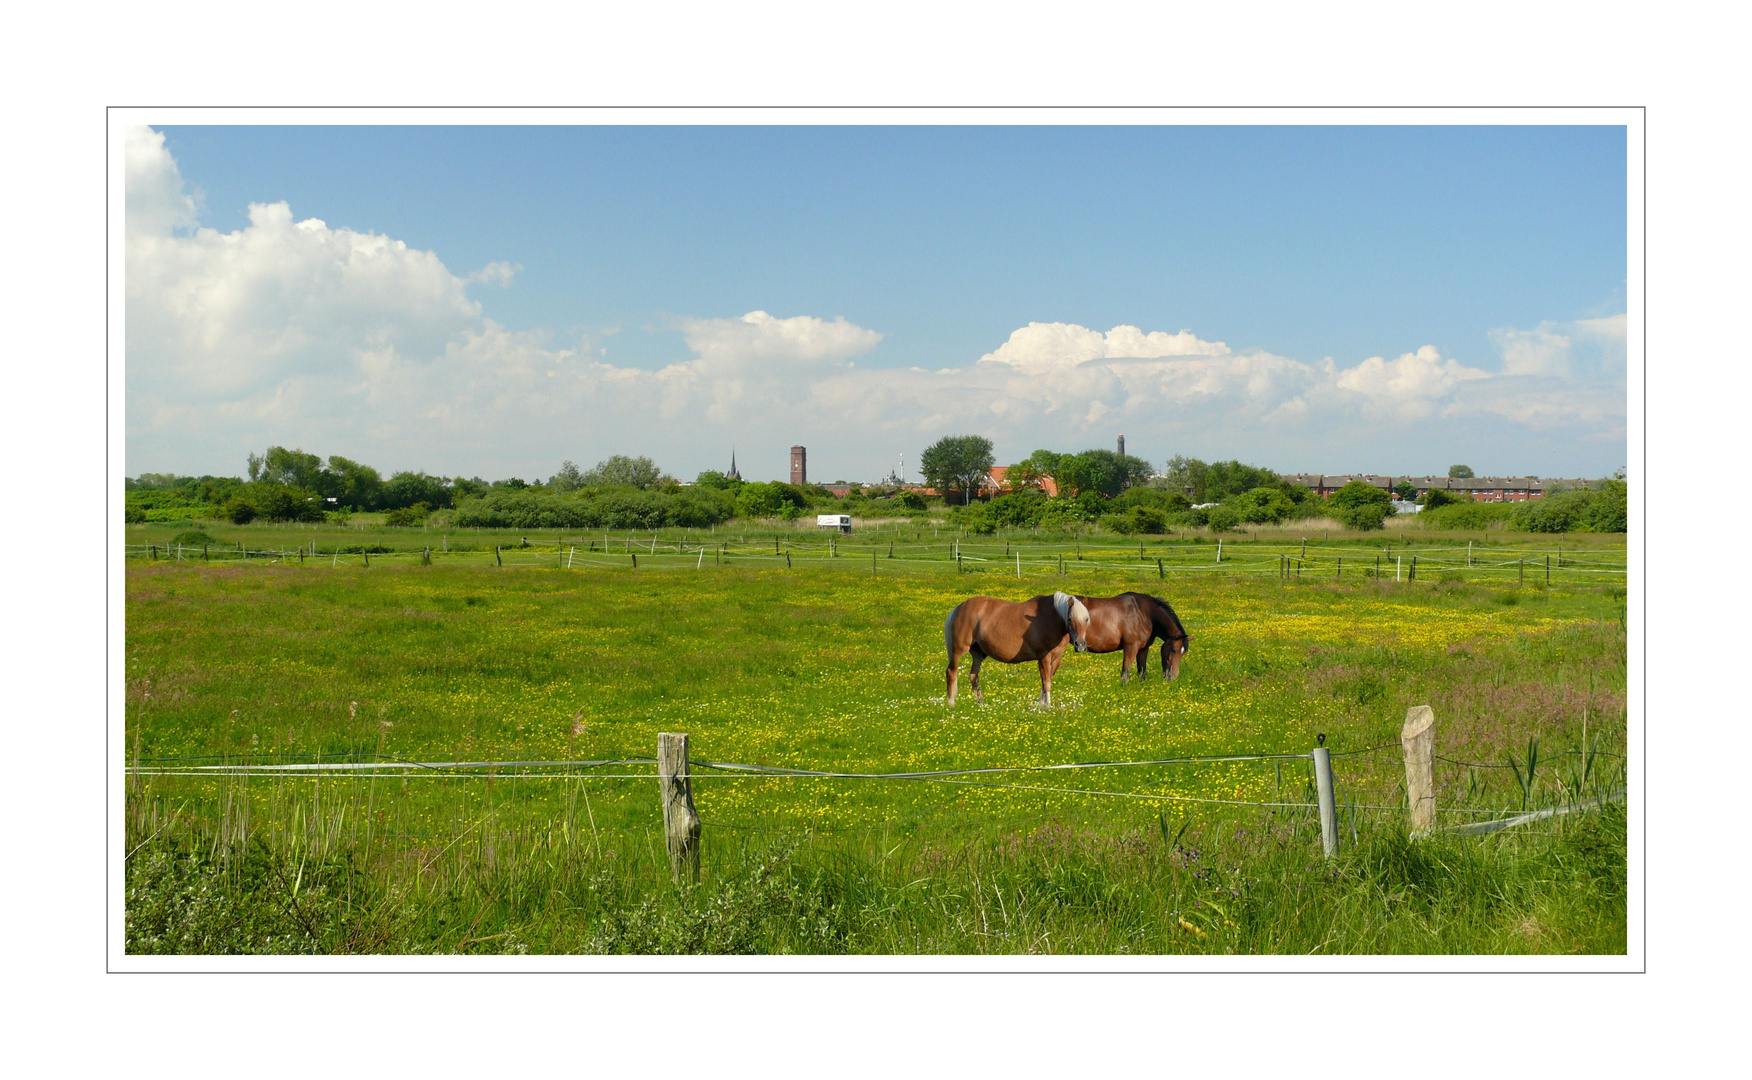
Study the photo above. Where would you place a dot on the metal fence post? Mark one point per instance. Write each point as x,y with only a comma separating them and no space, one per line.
1328,804
681,823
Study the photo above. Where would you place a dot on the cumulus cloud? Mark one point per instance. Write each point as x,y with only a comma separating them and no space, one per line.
497,273
351,342
1413,381
758,342
1045,346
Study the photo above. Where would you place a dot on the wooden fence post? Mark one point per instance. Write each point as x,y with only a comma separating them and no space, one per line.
681,823
1418,737
425,557
1160,575
497,558
1328,804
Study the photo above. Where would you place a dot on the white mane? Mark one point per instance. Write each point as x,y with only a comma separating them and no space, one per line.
1065,604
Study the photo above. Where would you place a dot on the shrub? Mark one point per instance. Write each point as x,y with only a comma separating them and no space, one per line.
1148,519
1436,498
408,515
1471,516
1609,510
238,511
134,515
1264,505
191,538
1360,506
1223,518
1553,513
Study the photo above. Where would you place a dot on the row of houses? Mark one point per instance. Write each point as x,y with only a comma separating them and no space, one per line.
1481,488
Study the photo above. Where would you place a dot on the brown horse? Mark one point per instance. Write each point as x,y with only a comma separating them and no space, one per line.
1037,629
1131,621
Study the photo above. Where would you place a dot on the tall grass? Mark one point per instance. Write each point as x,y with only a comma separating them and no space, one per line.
823,669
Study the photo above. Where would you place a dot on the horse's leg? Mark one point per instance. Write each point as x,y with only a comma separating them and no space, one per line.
1127,655
1048,665
973,673
954,662
1143,663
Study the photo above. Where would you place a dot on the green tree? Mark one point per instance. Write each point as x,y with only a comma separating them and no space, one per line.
1263,505
1405,489
957,461
1460,472
1186,475
238,510
1099,470
619,470
1361,506
1436,497
717,481
1225,478
569,478
407,488
352,484
291,467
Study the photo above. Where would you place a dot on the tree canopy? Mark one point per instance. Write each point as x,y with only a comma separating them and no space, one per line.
957,462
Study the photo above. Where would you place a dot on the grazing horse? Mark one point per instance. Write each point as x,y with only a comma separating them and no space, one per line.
1037,629
1131,621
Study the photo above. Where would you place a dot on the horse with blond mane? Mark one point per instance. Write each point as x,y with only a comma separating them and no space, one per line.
1037,629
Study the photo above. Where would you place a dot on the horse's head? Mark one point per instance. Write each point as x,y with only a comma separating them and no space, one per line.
1076,618
1175,639
1172,650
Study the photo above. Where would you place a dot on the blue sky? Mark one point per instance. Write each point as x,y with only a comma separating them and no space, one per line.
1358,298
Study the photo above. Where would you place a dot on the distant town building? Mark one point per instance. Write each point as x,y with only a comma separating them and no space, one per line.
1122,446
733,474
1480,488
799,465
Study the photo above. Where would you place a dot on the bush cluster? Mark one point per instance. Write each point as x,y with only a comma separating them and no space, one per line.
596,508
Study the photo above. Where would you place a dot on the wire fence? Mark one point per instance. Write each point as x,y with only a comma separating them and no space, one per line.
1286,561
974,777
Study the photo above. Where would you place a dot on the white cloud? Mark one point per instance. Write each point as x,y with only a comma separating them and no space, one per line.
1045,346
1411,382
497,273
156,201
349,342
758,343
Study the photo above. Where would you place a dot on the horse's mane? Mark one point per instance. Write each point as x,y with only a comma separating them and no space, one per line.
1173,619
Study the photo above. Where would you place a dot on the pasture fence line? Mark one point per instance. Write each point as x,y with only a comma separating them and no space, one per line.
682,823
1018,559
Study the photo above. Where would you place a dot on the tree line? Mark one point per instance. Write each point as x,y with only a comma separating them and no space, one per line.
1119,492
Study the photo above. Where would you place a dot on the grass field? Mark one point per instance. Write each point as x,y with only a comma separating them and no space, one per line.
837,664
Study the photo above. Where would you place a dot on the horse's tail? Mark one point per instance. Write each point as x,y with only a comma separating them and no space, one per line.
949,631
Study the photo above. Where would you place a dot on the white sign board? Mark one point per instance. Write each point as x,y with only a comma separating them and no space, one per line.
833,521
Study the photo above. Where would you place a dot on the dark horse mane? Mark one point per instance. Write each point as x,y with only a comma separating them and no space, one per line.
1173,619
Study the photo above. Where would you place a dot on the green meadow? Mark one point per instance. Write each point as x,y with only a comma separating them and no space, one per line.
553,663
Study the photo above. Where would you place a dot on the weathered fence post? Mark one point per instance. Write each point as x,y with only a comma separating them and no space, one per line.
1160,575
425,557
1520,572
635,557
1219,549
1418,737
681,823
1328,804
573,550
1548,569
497,558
